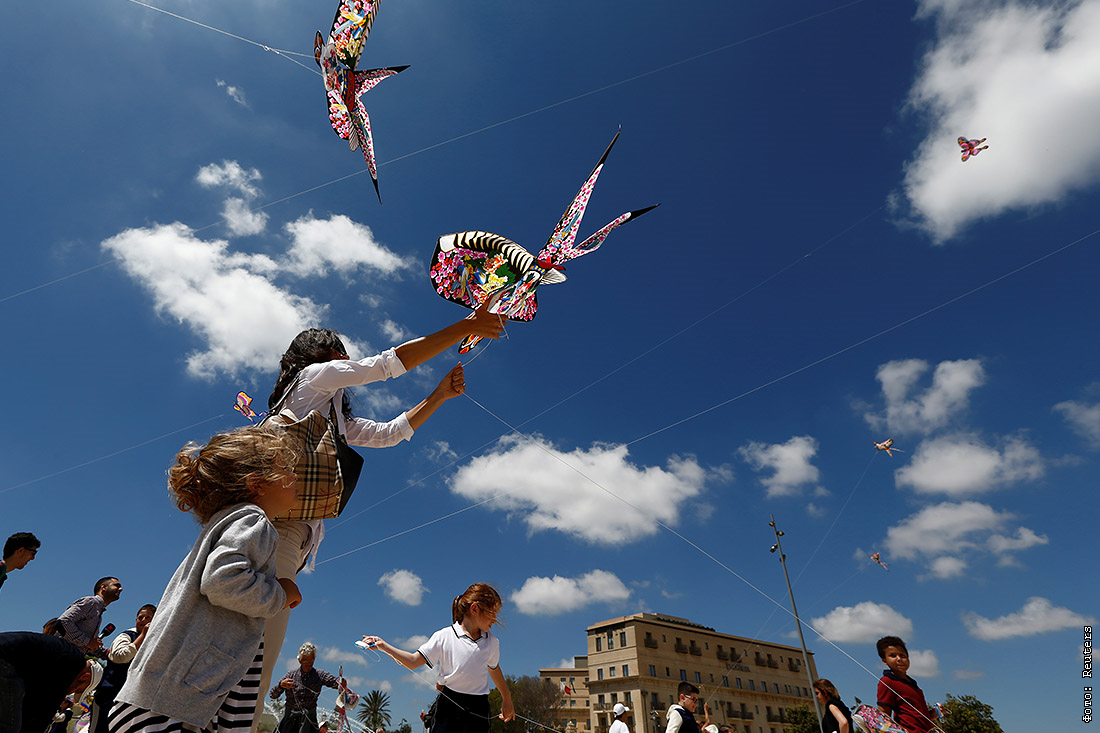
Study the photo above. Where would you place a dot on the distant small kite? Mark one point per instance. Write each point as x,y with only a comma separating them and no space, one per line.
970,147
878,558
243,406
888,446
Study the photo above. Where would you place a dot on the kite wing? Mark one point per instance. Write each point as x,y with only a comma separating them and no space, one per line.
559,248
593,243
350,28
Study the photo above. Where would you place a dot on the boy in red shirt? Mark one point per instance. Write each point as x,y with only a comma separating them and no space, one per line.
899,696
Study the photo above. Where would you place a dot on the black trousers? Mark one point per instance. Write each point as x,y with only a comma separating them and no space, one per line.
457,712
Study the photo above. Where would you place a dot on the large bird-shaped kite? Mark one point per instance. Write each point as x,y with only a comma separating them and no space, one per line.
337,58
970,147
470,268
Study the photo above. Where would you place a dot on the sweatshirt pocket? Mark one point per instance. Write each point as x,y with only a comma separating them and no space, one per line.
211,672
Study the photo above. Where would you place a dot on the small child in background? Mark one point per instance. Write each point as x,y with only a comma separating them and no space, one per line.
200,663
899,696
465,655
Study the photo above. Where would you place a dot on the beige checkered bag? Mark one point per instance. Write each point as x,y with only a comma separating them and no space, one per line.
328,468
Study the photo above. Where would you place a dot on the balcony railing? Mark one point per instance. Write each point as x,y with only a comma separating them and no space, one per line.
680,648
773,664
793,667
759,661
697,651
651,643
723,655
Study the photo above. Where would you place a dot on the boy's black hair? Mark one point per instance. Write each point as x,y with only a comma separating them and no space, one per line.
148,607
19,541
886,641
686,688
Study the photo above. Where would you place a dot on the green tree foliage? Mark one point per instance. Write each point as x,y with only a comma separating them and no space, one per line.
533,698
374,710
404,727
802,719
968,714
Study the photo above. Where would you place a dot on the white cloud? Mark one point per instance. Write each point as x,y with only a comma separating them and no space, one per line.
969,674
363,684
789,461
863,622
224,298
235,93
394,331
414,642
441,452
546,489
923,663
403,586
949,394
340,656
552,596
240,219
1027,77
962,464
339,243
1037,616
1083,418
230,174
949,536
567,664
815,511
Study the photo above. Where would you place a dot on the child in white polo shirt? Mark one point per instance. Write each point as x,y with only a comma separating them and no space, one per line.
465,655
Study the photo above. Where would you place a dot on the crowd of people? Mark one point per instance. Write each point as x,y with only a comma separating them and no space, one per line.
197,660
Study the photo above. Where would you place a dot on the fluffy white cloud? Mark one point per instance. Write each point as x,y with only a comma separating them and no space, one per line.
340,656
961,464
863,622
551,596
403,586
949,394
239,217
949,535
394,331
1038,616
789,462
1083,418
1017,73
339,243
414,642
225,298
235,93
554,490
923,663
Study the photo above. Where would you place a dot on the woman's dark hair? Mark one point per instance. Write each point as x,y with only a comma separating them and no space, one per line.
312,346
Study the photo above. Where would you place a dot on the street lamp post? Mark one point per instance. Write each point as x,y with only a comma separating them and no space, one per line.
797,621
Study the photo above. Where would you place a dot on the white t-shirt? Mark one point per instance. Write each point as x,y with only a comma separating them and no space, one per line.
619,727
462,663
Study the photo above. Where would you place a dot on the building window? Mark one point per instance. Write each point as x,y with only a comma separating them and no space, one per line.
752,685
738,683
599,699
626,670
599,675
572,703
667,672
610,641
610,671
614,697
725,681
763,686
628,695
683,675
587,703
712,678
563,680
787,688
599,644
652,671
706,645
698,678
572,681
663,638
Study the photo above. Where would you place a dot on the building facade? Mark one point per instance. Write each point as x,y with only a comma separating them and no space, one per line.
639,660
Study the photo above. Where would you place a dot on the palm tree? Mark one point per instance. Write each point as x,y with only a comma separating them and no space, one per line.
374,710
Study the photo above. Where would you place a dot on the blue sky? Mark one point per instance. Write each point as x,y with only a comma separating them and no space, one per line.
823,272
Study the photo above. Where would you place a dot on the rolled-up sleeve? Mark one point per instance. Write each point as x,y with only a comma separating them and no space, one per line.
333,375
370,434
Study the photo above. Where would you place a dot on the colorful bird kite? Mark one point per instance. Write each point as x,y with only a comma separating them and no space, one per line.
243,405
888,446
970,147
878,558
470,268
345,699
343,84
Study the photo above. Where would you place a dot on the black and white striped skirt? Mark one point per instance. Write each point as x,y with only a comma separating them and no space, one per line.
234,715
